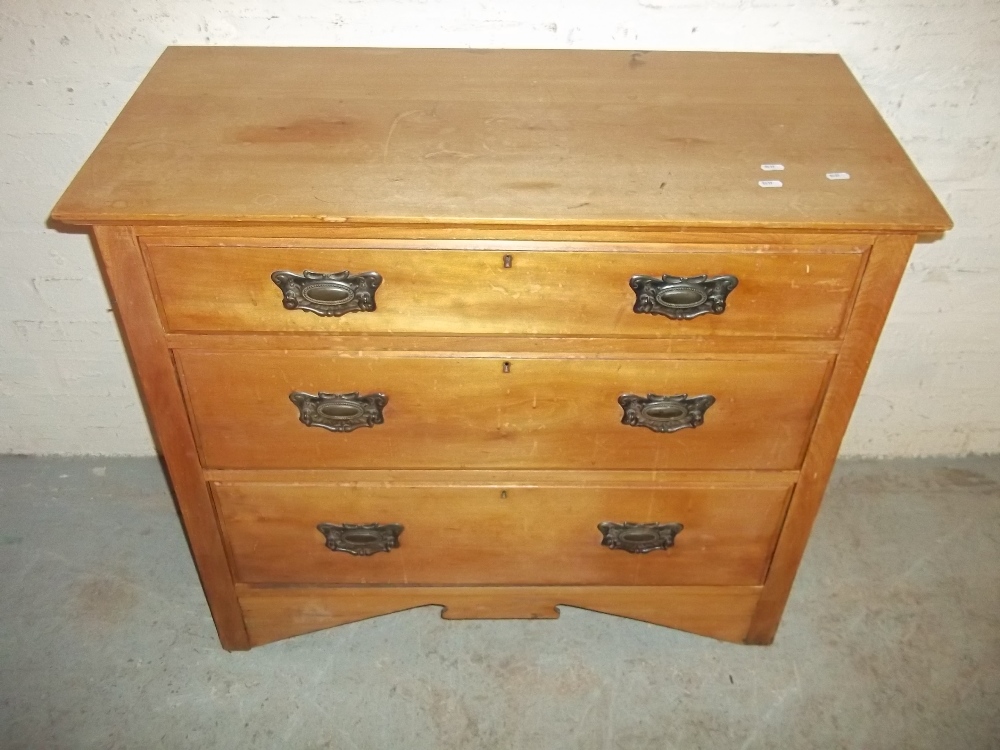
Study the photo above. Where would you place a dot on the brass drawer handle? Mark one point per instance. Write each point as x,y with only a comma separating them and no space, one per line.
339,412
639,538
681,298
361,539
664,413
328,294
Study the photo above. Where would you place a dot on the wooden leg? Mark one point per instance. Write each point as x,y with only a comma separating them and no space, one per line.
126,276
885,268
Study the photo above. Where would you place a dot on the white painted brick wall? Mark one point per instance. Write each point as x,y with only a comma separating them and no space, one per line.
932,67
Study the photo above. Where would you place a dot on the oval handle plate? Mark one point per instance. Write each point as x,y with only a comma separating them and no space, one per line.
639,538
328,294
664,413
681,298
361,539
339,412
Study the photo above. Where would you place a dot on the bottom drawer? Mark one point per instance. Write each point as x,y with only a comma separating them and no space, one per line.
301,533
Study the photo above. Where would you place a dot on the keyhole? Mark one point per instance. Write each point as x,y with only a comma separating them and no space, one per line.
508,260
503,494
506,367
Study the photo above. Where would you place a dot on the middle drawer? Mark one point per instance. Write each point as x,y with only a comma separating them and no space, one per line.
322,409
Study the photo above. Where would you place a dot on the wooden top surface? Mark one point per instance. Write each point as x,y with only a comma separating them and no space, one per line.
569,138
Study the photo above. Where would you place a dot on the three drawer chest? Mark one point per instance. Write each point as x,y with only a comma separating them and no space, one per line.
499,331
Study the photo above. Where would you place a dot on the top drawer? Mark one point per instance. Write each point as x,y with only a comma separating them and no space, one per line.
575,290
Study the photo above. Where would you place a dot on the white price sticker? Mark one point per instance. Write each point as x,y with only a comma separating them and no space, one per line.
837,176
769,183
773,167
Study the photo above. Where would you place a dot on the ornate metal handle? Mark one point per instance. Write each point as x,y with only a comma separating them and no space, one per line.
681,298
664,413
328,294
361,539
339,412
639,538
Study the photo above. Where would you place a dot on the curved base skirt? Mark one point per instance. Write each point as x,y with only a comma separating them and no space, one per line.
722,612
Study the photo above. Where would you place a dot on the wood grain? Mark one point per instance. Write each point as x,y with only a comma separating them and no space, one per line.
459,237
507,478
468,413
721,612
505,347
885,269
133,302
801,292
429,166
483,535
508,137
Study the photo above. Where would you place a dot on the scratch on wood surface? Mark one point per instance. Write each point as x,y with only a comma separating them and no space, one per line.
448,154
392,128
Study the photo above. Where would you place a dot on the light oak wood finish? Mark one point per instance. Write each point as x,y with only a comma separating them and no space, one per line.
429,166
494,237
506,478
457,237
471,137
721,612
478,535
462,412
796,292
505,347
133,303
885,269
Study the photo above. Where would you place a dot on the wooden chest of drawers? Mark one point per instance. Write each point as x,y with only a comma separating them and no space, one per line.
499,331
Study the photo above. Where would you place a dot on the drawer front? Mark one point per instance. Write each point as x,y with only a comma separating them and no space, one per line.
452,412
802,293
490,535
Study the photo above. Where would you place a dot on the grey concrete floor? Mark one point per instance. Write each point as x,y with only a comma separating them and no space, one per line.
891,639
